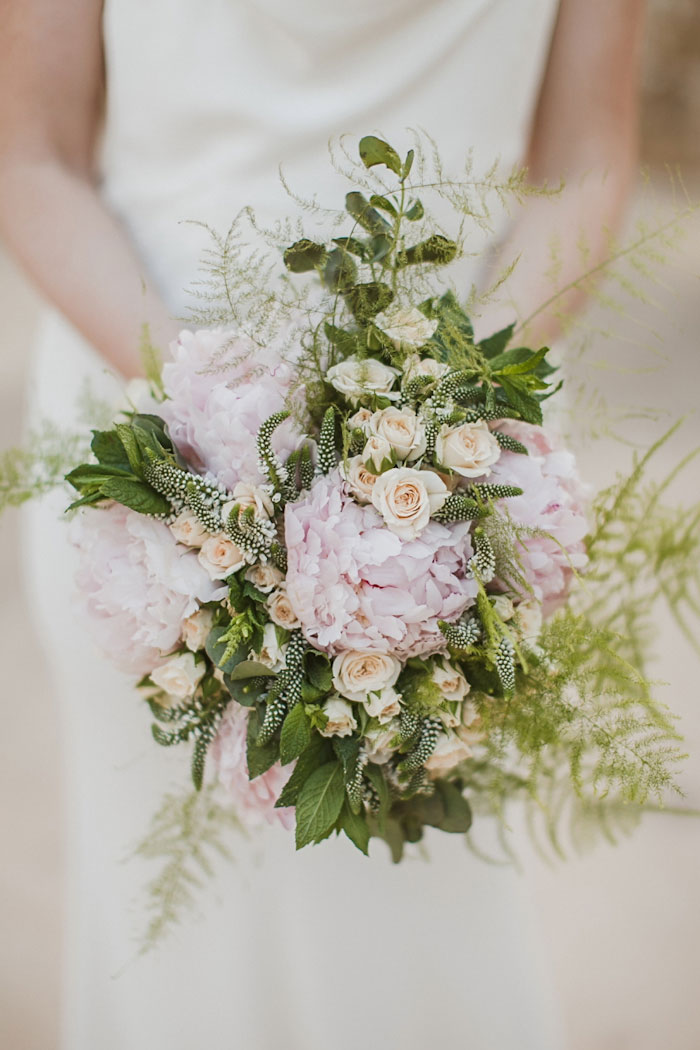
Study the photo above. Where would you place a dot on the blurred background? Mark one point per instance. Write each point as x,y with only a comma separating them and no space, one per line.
622,925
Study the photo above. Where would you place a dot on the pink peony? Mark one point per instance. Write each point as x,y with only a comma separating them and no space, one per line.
553,500
220,387
353,584
136,585
254,800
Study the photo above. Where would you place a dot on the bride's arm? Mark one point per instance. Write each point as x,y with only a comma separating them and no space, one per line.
585,131
51,214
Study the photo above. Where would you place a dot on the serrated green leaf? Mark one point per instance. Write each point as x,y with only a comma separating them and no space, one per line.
108,449
319,804
296,734
136,495
347,748
376,151
259,757
517,364
126,435
318,752
318,670
496,343
527,406
355,827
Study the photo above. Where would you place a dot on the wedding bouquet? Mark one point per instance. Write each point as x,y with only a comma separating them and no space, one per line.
354,570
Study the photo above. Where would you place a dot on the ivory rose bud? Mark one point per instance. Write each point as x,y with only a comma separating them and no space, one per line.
280,609
379,742
425,366
378,455
384,705
450,681
503,606
196,628
179,676
247,495
469,449
357,673
341,720
470,731
529,617
402,429
360,420
188,529
264,577
359,480
449,752
406,498
271,653
220,556
407,327
356,377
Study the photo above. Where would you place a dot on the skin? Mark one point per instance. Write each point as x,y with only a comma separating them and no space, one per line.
54,221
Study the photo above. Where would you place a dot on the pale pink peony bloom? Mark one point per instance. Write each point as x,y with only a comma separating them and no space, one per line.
254,800
220,387
354,584
136,584
553,500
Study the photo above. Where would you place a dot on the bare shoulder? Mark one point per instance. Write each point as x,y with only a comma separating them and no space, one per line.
51,75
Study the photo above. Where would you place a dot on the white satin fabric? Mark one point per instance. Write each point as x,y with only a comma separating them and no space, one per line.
324,949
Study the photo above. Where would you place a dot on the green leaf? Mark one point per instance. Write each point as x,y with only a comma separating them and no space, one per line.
351,244
347,748
246,691
415,212
407,165
215,649
304,255
318,752
377,151
497,342
108,449
458,815
91,476
380,247
319,803
136,495
347,342
436,249
367,300
296,734
527,406
516,364
355,827
376,777
382,202
395,838
259,757
125,432
318,670
368,217
249,669
340,272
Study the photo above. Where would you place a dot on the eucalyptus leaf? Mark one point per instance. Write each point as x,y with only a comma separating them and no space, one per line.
457,811
249,669
368,217
415,212
367,300
340,272
382,202
304,255
376,151
436,249
351,244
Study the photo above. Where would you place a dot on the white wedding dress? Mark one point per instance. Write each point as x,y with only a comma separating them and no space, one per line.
324,950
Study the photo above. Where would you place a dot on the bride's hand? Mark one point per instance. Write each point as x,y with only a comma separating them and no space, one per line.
51,214
585,133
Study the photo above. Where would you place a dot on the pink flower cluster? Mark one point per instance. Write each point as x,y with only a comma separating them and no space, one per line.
136,585
220,388
553,501
254,799
354,584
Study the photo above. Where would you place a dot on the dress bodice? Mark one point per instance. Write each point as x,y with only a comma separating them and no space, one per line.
205,100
